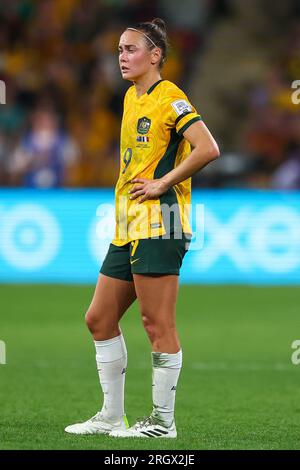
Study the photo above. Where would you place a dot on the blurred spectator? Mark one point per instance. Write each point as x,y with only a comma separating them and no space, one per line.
44,155
287,175
3,162
237,60
242,86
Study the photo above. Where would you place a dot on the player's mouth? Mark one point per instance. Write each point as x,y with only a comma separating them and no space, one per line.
125,69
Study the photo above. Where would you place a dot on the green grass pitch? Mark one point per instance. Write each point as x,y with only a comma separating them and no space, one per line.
238,388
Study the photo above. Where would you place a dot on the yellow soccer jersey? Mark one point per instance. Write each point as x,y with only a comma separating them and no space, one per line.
152,145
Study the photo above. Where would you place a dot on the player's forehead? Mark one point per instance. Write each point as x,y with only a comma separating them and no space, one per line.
131,38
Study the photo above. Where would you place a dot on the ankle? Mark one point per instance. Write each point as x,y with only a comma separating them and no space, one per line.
111,418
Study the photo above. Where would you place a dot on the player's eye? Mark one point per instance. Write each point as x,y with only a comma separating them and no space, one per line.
129,49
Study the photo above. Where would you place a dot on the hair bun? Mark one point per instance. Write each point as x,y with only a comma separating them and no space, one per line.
160,23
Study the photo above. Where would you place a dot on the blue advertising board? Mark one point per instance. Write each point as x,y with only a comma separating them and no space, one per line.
239,236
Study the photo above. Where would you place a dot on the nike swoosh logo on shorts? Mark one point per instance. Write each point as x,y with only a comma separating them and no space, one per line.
133,261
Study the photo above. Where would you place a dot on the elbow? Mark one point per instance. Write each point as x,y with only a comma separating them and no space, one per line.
213,152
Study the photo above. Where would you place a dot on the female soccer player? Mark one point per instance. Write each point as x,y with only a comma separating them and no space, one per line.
152,233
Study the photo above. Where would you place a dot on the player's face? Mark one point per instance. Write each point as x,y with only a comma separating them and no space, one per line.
134,55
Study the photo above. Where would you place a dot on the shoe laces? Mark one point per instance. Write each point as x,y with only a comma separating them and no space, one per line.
97,417
145,422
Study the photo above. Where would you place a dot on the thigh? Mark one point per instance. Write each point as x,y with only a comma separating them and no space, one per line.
157,295
112,297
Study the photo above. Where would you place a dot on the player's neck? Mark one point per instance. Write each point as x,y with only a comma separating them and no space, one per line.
143,84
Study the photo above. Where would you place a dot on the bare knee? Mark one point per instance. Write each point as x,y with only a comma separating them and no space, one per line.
101,326
149,327
91,320
158,329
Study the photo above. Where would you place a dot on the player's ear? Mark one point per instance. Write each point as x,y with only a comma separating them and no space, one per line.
156,56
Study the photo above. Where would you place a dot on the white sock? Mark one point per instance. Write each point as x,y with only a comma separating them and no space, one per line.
111,358
166,370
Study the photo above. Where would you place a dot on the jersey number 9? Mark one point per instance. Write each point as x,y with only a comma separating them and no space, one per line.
127,158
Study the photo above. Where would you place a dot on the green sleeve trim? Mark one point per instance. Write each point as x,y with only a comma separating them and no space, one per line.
181,117
154,86
187,125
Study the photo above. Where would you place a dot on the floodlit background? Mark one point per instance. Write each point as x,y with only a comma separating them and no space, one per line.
239,63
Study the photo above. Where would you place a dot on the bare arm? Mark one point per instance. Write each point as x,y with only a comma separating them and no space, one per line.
205,150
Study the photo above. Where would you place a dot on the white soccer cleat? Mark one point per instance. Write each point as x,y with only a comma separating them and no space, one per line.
146,428
97,425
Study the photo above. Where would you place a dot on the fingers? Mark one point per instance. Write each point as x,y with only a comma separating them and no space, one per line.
143,198
139,190
135,188
139,180
137,194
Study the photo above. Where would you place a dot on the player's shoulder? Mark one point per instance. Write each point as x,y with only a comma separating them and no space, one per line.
170,91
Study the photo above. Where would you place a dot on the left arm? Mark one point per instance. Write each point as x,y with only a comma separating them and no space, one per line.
205,150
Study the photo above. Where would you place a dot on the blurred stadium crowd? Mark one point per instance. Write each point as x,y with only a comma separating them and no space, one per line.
235,59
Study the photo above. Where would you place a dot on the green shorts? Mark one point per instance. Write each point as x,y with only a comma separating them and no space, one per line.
145,256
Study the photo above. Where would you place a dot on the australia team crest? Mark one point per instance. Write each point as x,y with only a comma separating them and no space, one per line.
143,125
